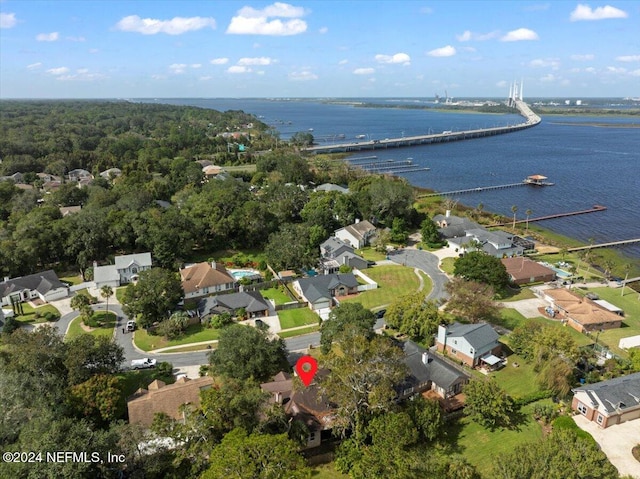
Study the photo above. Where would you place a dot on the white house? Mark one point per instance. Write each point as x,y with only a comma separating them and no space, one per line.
470,343
45,286
356,235
126,269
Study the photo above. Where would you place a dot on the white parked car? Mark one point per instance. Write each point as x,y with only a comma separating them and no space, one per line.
143,363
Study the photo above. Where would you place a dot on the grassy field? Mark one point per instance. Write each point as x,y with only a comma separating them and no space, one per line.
327,471
517,381
393,281
298,332
108,323
276,294
517,295
371,254
71,279
29,315
194,334
446,265
292,318
480,446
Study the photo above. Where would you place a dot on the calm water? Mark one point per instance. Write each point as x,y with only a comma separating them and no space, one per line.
588,164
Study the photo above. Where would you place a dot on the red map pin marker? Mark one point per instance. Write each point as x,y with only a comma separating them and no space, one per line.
306,367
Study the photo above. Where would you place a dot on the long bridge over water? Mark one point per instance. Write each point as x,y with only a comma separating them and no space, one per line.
531,119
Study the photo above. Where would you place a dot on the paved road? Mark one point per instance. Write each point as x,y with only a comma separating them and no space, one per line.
428,263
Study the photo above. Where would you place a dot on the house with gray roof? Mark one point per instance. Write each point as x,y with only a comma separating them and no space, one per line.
451,226
335,252
320,290
472,344
609,402
126,269
428,372
254,305
45,286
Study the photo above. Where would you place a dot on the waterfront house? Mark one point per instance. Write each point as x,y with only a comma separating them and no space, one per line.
169,399
609,402
581,313
522,270
44,286
358,234
472,344
204,278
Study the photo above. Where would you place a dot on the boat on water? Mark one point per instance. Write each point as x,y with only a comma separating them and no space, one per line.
360,137
537,180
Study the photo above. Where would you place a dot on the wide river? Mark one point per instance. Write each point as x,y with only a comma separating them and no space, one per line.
591,160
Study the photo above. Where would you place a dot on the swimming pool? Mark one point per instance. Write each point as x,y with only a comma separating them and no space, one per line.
244,273
559,272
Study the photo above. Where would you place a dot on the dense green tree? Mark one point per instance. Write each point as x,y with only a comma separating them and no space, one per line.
87,355
155,295
471,300
561,455
389,198
293,247
430,234
346,314
488,404
411,314
256,456
427,417
98,397
245,352
363,375
484,268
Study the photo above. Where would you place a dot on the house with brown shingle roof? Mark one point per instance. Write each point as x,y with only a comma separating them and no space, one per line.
582,314
160,397
204,278
356,235
306,404
523,270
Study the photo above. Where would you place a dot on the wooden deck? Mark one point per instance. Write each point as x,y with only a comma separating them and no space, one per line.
448,405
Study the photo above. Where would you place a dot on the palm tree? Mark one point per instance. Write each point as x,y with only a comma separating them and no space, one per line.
528,213
608,266
514,209
106,292
626,268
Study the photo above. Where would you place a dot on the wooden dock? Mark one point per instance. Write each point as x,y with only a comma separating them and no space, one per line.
594,209
605,245
472,190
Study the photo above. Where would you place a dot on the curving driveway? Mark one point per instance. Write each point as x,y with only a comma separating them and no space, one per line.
427,262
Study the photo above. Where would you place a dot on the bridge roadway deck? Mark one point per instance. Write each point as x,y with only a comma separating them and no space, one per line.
531,120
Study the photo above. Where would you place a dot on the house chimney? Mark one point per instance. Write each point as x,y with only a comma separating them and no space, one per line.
447,213
425,358
6,278
278,397
95,265
357,221
213,264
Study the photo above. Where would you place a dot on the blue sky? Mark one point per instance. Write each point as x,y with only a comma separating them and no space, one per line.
128,49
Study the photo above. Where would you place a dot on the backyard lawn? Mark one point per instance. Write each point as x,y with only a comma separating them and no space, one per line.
108,323
293,318
517,381
194,334
276,294
393,281
29,315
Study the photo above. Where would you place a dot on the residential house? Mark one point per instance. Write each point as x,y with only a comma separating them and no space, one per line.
472,344
169,399
111,173
609,402
432,377
522,270
581,313
358,234
44,286
69,210
81,176
495,243
205,278
211,170
320,291
17,178
451,226
335,252
331,187
125,270
252,302
306,405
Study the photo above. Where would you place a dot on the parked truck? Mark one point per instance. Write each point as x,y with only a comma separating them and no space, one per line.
143,363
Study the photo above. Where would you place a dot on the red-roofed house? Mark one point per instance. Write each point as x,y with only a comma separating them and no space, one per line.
522,270
204,278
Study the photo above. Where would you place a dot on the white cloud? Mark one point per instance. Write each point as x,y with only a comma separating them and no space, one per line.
34,66
47,37
343,62
303,76
58,71
616,70
469,49
256,61
548,78
364,71
468,35
178,67
590,70
584,12
175,26
238,69
196,65
8,20
76,39
398,58
219,61
250,21
583,58
519,35
545,63
323,30
447,51
628,58
635,73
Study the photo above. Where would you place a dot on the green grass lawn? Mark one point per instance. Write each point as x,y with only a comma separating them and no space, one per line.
293,318
480,446
371,254
298,332
189,349
120,293
29,315
108,323
276,294
327,471
517,381
428,285
446,265
393,281
194,334
517,295
71,279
